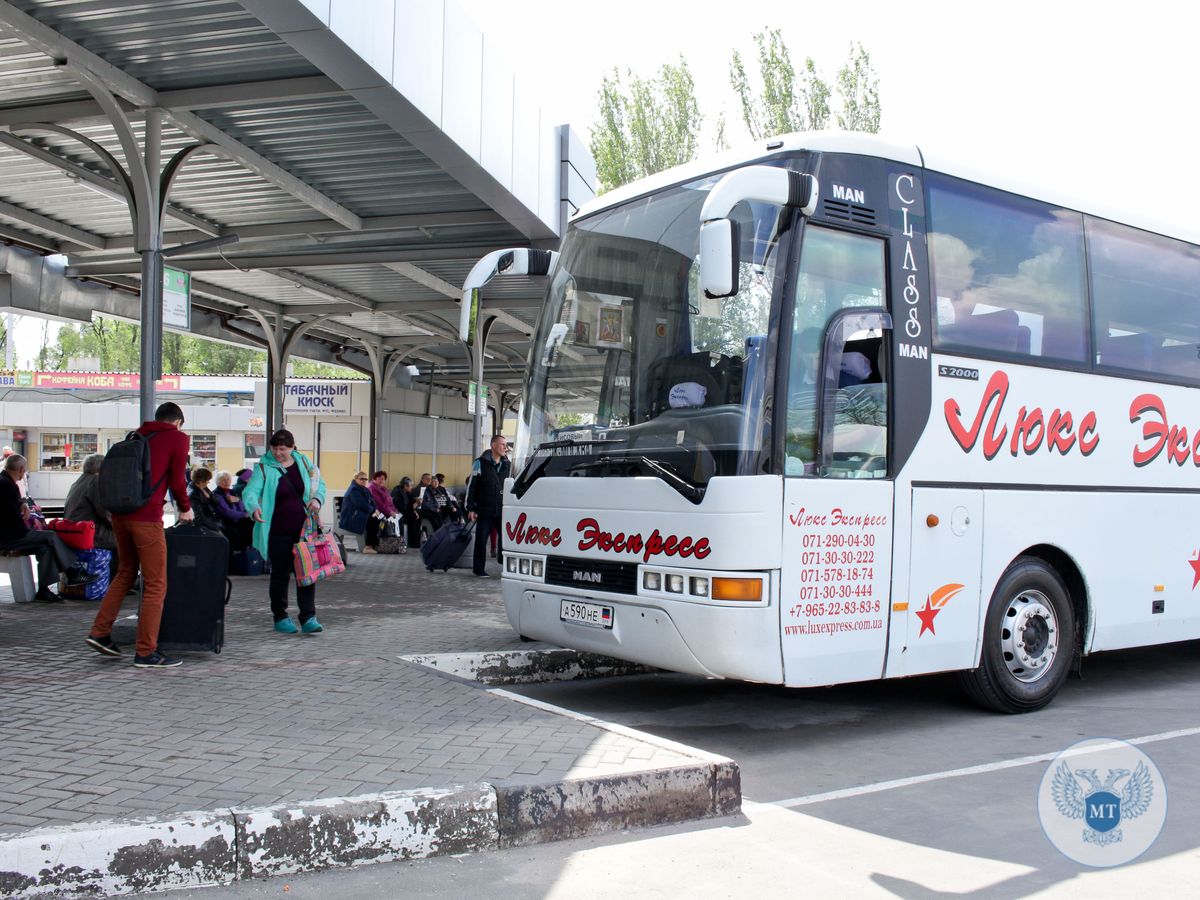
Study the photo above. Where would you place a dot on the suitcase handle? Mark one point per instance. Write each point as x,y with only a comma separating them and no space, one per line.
228,590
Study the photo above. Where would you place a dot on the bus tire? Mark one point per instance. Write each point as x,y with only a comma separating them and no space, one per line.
1028,640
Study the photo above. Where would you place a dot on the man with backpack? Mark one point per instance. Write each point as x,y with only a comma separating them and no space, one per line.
134,480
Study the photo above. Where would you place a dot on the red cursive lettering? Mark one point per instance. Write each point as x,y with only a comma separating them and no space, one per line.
520,533
591,536
1032,429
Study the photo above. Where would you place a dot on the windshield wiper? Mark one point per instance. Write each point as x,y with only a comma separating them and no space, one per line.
568,442
689,490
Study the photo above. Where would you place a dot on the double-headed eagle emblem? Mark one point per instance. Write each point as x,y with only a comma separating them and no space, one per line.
1098,803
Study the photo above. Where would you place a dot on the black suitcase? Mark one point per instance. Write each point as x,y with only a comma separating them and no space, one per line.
198,587
443,548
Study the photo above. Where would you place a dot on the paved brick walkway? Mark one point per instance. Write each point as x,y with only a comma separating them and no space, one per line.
277,717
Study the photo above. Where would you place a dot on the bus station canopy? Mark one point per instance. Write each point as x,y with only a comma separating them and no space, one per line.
365,153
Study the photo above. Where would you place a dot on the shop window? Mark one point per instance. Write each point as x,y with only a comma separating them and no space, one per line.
66,451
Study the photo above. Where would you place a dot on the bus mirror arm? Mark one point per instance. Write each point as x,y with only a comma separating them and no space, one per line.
515,261
719,235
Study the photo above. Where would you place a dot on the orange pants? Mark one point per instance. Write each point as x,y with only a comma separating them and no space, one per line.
144,545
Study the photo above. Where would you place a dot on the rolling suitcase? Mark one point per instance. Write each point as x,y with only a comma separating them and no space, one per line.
444,547
198,588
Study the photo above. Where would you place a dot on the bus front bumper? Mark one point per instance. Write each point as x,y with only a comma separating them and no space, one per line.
698,639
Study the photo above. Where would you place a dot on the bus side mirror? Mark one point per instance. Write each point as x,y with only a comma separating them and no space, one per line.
719,242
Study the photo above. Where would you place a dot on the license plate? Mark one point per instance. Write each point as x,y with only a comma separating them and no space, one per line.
593,614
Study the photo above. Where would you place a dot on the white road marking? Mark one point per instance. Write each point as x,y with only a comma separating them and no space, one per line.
1019,761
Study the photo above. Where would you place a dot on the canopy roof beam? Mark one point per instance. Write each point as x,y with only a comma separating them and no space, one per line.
60,48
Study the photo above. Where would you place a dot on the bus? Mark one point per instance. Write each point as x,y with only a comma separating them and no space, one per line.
837,410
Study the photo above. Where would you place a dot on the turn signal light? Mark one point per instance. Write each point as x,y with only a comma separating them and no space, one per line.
748,589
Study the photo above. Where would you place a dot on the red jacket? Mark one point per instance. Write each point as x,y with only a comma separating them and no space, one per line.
169,457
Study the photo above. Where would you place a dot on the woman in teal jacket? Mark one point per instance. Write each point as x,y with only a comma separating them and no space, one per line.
285,488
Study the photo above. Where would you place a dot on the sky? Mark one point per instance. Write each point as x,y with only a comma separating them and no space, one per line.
1096,100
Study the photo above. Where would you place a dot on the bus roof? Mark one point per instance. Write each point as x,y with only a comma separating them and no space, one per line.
910,154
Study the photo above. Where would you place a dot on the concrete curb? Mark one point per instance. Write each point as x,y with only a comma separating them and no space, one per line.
209,848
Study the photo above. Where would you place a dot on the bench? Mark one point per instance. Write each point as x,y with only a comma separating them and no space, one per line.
18,566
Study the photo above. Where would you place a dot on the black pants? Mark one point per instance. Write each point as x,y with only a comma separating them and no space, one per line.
483,528
413,521
283,572
52,555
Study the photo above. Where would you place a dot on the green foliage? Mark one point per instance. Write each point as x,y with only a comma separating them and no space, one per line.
307,368
787,102
117,344
858,89
646,125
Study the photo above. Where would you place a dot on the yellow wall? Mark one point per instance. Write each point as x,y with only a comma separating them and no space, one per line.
229,459
338,468
455,467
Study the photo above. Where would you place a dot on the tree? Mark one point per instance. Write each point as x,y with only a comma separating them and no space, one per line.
789,103
645,125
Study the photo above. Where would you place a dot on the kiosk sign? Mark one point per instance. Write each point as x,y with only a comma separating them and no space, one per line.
317,399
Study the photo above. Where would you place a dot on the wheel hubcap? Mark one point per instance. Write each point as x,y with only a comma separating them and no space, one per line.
1029,636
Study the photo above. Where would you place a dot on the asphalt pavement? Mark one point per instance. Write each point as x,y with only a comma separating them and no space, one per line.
856,790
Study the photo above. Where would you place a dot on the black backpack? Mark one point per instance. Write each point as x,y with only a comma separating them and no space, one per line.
125,475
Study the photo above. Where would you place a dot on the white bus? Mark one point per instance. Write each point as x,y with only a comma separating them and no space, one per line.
836,411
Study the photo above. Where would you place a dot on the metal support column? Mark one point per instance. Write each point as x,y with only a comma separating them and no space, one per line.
152,271
275,387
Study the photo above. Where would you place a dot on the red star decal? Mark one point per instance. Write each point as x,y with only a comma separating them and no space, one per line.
927,615
1195,564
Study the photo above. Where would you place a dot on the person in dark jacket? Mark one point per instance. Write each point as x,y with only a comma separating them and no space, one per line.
232,512
358,516
240,479
201,498
53,556
403,500
142,543
83,503
485,498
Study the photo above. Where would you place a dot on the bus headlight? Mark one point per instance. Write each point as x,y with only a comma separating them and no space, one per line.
698,586
511,563
675,584
524,564
652,581
535,568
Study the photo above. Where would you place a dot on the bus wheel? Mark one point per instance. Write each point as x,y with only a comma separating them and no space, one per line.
1028,640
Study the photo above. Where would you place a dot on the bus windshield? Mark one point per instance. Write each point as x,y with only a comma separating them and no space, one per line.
633,371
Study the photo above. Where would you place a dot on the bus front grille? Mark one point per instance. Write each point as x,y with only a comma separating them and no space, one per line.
600,575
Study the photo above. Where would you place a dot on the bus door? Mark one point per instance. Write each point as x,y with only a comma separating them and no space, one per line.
838,497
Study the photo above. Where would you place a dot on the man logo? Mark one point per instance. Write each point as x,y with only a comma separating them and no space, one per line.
590,577
1122,811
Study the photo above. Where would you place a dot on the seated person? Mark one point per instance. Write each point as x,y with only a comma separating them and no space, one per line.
83,503
238,526
202,499
53,556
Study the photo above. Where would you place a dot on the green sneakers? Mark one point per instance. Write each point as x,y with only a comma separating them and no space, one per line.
286,626
311,626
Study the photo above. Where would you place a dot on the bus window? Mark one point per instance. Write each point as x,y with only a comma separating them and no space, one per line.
1146,300
1008,273
855,396
838,271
